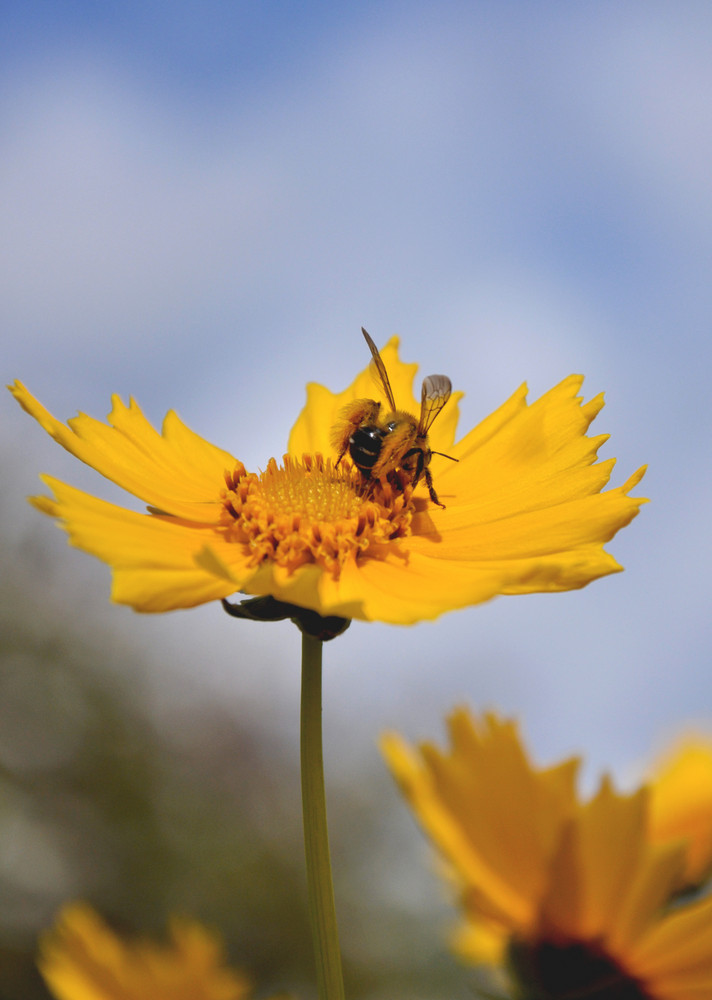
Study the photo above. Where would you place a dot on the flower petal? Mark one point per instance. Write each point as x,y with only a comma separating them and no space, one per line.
681,804
152,557
607,883
177,471
82,959
562,527
676,954
527,435
312,431
525,510
578,889
472,802
400,589
410,587
526,488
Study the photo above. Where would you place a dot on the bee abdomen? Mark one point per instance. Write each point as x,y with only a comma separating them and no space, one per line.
365,446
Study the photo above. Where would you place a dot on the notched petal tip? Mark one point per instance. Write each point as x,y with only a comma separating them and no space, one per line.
633,480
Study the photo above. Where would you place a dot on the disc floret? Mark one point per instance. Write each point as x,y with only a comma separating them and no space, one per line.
307,510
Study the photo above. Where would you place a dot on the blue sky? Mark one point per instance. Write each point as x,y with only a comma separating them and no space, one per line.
200,204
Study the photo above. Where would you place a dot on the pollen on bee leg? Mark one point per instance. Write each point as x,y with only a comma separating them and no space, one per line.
311,511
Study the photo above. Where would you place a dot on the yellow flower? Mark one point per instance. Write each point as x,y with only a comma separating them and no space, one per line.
574,896
82,959
681,804
524,509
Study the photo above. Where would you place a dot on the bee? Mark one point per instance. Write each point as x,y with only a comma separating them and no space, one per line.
380,443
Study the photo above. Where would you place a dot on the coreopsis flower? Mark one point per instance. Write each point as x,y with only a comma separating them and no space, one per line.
573,897
681,804
524,508
82,959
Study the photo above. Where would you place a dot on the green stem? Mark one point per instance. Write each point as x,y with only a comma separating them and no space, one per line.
322,914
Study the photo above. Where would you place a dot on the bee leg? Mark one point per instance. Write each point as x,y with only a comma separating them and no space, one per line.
421,469
341,439
431,489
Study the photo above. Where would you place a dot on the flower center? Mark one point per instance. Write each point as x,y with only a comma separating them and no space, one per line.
552,970
308,511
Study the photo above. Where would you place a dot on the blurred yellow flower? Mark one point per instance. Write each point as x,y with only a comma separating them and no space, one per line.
82,959
524,513
574,897
681,804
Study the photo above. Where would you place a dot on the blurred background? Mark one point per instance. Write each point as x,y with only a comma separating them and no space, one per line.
200,204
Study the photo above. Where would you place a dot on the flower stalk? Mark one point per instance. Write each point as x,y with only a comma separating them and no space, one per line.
322,912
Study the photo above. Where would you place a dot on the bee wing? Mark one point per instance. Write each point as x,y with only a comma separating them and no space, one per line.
434,395
380,372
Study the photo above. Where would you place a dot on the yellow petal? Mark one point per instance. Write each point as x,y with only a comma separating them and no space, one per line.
176,471
526,486
578,887
497,821
564,526
676,954
82,959
652,886
607,883
401,588
681,804
480,943
525,511
526,435
312,431
610,837
153,558
498,900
